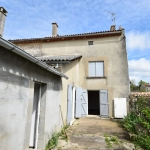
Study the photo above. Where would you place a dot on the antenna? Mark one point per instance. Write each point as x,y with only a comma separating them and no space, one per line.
113,17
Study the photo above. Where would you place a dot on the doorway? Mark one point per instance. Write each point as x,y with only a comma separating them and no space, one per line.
93,103
35,116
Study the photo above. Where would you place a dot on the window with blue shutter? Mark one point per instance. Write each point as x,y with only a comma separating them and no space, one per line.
96,69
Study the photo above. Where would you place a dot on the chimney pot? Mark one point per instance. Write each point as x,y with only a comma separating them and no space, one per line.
54,29
3,13
113,28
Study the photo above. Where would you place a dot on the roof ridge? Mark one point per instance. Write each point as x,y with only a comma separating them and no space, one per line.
69,35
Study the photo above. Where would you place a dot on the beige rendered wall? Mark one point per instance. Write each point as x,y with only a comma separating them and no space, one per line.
72,71
111,50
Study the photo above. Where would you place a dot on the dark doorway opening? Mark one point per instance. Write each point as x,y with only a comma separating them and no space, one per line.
93,103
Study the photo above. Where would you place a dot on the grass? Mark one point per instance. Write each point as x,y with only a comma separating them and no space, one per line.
53,142
111,140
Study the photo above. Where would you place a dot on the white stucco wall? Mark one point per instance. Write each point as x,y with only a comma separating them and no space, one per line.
14,96
17,76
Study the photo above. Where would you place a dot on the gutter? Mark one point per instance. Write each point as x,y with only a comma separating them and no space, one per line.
10,46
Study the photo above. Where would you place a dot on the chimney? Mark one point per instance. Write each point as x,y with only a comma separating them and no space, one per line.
113,28
3,13
54,29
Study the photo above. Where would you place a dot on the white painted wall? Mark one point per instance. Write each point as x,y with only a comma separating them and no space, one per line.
16,101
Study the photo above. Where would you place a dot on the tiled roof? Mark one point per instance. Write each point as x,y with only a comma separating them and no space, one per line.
146,85
59,57
71,35
11,47
145,94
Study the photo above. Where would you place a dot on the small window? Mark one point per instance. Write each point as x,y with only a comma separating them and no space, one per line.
96,69
90,42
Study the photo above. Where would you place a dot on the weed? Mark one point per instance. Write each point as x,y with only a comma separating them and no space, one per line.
111,140
53,142
63,134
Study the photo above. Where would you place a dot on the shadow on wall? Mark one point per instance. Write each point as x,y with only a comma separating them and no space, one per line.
12,64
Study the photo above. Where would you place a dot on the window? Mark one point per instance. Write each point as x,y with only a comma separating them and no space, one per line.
96,69
90,42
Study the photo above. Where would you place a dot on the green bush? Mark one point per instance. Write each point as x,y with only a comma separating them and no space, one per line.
138,122
144,141
130,122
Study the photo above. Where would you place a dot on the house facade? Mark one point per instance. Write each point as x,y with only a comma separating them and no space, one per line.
145,87
30,96
98,76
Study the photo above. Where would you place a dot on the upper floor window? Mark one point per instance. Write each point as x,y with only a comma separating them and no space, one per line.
96,69
90,42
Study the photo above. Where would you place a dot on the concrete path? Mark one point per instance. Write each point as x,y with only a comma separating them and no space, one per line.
91,133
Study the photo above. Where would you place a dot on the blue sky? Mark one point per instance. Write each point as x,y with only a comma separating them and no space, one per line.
33,18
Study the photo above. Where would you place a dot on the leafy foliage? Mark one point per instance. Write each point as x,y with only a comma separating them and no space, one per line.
53,142
138,123
134,87
142,82
111,140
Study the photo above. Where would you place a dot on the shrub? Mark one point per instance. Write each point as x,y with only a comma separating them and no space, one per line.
138,122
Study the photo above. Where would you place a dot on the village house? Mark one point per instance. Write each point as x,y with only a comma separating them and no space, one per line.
145,87
97,67
30,98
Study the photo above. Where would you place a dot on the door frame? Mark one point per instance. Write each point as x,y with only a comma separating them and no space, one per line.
100,90
99,99
33,140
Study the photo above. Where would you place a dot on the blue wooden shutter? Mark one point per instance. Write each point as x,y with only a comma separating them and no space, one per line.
104,105
69,108
91,69
81,103
78,102
100,69
84,103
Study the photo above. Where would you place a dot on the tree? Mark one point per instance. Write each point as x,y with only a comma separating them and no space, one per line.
133,86
141,82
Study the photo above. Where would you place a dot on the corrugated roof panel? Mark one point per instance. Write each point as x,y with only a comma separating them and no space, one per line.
59,57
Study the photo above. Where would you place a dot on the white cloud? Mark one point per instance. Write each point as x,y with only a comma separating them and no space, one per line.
139,70
138,41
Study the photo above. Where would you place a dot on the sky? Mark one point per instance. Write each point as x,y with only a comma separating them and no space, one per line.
33,18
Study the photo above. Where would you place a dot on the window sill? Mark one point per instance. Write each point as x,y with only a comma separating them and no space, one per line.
104,77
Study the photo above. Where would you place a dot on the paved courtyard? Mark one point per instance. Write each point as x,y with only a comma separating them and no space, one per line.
89,133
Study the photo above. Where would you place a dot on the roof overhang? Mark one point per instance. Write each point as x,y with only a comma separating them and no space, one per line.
69,37
10,46
59,59
57,62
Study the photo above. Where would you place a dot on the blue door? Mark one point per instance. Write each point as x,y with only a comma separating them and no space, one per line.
81,103
104,105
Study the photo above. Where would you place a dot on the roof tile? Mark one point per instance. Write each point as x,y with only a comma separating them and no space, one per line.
59,57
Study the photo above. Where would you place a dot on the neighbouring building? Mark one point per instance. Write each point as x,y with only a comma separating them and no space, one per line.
96,64
145,87
30,98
